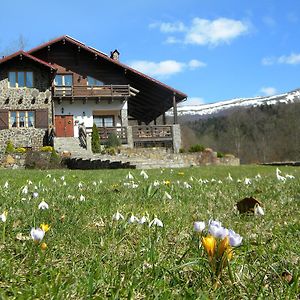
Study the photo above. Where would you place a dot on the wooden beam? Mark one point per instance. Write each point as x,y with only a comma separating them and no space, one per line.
175,109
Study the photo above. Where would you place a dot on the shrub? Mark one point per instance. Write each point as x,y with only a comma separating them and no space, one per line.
47,149
95,140
110,151
181,150
220,154
9,147
113,140
20,150
55,160
196,148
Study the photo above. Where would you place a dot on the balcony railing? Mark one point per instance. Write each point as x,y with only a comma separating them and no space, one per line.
152,133
104,132
112,91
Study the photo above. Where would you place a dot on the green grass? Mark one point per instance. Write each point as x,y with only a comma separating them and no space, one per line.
89,256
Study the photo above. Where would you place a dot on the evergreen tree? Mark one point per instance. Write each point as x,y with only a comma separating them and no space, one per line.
95,140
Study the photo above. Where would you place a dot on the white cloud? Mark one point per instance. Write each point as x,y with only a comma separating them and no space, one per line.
203,31
166,68
268,91
192,101
292,59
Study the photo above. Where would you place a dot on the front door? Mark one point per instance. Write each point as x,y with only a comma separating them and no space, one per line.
64,126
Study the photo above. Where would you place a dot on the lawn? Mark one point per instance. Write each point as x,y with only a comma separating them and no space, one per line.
89,255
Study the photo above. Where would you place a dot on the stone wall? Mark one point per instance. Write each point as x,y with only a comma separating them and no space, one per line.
17,99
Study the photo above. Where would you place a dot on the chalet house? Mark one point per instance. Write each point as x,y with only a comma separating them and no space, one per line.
61,88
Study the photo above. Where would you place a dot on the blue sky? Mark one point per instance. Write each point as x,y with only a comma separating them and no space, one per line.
210,49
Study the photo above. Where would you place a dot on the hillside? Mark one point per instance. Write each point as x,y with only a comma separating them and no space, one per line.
261,129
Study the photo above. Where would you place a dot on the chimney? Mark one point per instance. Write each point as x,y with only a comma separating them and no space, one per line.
115,54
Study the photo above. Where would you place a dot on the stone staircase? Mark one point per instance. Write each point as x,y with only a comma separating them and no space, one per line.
85,159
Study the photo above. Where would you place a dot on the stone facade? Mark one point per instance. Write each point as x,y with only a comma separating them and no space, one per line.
25,99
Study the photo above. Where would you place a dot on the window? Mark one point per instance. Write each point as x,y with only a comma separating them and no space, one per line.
21,119
63,80
94,82
20,79
104,121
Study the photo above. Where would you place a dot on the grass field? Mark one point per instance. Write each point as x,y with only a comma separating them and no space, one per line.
91,256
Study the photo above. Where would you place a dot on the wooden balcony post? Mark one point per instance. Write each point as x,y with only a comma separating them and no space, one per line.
174,109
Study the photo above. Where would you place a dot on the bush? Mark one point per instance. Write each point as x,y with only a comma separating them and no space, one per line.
47,149
196,148
181,150
55,160
110,151
113,140
95,140
220,154
9,147
20,150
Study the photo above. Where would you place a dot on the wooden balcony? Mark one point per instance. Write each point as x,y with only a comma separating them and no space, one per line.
109,91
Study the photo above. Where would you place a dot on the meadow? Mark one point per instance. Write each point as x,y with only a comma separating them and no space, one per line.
91,252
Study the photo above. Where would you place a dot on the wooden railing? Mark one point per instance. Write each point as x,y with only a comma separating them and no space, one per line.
82,135
152,133
121,133
92,91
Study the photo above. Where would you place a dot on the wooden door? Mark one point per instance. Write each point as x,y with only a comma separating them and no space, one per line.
64,126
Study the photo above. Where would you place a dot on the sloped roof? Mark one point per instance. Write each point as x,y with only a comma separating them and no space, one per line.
179,94
25,54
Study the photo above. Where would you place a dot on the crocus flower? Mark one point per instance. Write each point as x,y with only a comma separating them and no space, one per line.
3,216
43,205
45,227
199,226
223,245
209,243
35,194
37,234
156,222
44,246
117,216
235,239
258,210
217,230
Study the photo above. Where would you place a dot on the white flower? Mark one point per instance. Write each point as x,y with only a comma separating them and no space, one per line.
25,189
167,196
234,238
143,220
247,181
82,198
258,210
229,177
54,180
199,226
29,182
279,177
258,176
133,219
64,183
156,222
37,234
35,194
43,205
5,185
48,176
129,176
289,176
80,184
94,183
3,216
62,178
71,197
144,174
156,183
117,216
186,185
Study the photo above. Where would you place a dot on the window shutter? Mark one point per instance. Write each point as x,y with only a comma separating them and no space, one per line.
3,119
41,118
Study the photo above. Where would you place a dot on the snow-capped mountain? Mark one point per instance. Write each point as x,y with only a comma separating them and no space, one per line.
206,110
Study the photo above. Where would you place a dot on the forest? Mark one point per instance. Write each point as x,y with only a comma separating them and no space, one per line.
261,134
